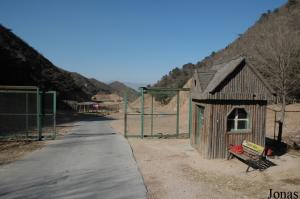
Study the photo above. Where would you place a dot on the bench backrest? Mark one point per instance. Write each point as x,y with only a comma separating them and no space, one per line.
252,148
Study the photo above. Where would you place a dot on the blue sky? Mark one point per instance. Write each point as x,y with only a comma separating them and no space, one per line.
126,40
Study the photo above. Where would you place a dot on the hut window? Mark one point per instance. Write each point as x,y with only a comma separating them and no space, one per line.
238,119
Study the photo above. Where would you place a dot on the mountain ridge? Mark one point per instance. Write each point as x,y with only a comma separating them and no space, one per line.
23,65
287,17
121,89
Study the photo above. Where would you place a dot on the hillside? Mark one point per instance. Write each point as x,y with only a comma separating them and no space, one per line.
100,86
90,86
248,44
121,89
23,65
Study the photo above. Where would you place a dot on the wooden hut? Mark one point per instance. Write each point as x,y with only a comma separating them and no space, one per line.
229,105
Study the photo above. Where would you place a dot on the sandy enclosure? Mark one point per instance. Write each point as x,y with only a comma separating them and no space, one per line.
173,169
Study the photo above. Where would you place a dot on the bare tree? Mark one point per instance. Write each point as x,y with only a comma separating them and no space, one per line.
278,54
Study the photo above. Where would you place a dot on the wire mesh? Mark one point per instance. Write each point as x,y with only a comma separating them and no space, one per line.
19,114
152,116
48,115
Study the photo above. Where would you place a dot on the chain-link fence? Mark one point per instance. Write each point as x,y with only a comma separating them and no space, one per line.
158,112
27,113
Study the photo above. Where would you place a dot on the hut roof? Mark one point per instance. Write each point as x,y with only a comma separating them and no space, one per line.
205,77
210,79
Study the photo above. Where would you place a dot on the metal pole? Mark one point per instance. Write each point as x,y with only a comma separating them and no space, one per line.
190,114
275,125
142,113
38,109
54,115
27,125
125,115
177,115
151,115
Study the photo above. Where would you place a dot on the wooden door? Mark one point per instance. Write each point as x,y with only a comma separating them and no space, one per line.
199,124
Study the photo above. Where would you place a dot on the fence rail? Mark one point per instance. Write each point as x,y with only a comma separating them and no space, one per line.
150,118
27,113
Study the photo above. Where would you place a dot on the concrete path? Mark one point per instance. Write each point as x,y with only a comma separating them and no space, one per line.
91,162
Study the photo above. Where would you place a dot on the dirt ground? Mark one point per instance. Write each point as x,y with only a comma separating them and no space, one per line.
12,150
173,169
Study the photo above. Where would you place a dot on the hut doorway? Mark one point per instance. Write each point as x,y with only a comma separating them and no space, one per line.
199,124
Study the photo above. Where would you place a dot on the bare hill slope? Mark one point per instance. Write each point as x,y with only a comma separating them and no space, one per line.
121,89
247,44
23,65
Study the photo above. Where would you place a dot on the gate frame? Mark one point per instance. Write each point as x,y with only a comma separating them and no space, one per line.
145,90
39,116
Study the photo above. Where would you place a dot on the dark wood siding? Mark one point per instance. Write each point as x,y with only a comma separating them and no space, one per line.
215,139
220,139
243,88
242,84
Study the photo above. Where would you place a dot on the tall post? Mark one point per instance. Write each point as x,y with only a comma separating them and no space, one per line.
38,114
27,112
125,115
54,115
142,112
152,115
190,114
177,115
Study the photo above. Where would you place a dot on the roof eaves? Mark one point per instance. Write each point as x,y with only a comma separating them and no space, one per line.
222,73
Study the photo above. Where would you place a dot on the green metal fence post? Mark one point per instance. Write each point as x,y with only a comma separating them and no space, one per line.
38,114
54,115
27,120
177,115
142,112
151,115
125,115
190,114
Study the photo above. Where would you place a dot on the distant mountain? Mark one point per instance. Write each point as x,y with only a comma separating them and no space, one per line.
90,86
135,86
23,65
287,17
121,89
101,86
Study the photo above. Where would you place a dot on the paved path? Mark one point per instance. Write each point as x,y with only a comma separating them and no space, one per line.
91,162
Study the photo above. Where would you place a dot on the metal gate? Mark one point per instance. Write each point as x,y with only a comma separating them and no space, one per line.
26,112
159,112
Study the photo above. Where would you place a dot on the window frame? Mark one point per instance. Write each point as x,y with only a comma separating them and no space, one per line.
236,120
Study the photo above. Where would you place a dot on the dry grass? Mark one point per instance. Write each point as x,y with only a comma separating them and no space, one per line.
13,150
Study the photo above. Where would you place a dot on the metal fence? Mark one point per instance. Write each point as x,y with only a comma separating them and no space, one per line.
27,113
150,116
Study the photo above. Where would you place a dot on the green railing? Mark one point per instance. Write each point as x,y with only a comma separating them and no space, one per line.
150,118
26,112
